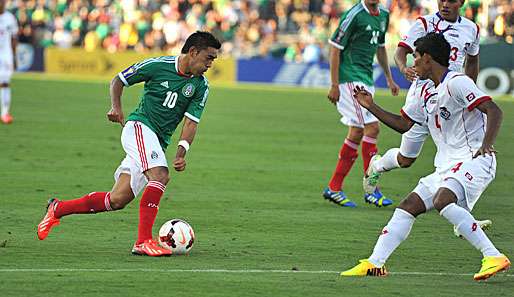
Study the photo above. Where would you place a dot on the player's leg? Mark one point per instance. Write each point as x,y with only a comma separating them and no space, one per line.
352,116
398,228
455,199
393,234
5,98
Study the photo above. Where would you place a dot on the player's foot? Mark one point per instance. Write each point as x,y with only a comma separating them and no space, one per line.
377,198
7,118
48,221
338,197
370,181
492,265
150,248
484,225
365,268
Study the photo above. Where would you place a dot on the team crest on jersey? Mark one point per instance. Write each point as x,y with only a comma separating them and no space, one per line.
188,90
444,113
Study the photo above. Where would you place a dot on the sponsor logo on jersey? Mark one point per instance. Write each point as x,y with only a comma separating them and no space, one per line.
469,176
454,35
188,90
154,155
444,113
368,28
165,84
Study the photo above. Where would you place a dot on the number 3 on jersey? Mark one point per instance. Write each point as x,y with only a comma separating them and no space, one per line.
453,53
171,99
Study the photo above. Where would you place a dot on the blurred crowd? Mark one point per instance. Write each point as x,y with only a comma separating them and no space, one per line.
294,30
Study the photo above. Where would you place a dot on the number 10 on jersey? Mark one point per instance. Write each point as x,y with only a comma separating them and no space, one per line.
171,99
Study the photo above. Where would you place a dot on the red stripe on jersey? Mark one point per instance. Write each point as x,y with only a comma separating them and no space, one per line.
406,116
425,25
478,102
405,45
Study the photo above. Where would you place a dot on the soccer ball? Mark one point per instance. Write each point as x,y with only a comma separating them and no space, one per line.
177,236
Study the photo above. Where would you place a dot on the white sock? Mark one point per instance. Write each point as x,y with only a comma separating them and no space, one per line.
469,228
396,231
389,161
5,93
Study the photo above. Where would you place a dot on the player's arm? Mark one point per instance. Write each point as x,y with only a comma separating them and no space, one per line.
400,58
384,63
396,122
494,120
406,46
115,114
14,44
472,66
333,93
186,139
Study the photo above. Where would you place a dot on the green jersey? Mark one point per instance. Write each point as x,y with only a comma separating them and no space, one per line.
167,97
358,35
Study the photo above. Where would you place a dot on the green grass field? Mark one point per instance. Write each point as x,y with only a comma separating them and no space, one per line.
252,191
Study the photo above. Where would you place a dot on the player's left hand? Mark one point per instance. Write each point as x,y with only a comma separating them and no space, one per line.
485,149
395,89
179,164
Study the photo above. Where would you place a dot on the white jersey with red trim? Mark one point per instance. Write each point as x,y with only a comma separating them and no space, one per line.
448,110
463,36
8,30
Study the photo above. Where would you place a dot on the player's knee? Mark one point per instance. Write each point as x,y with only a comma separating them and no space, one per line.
118,204
442,198
405,162
355,134
119,200
413,204
158,174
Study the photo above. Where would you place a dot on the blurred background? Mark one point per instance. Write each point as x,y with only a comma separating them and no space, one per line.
280,32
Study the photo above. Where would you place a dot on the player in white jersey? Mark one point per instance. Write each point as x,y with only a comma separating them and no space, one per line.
463,36
8,40
464,123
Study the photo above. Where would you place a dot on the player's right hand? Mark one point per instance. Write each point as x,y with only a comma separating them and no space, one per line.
333,94
410,73
364,97
116,115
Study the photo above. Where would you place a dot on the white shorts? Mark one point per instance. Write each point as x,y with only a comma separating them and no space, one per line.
412,140
143,151
353,114
474,176
6,70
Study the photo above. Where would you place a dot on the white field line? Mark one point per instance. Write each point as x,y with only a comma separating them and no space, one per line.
41,270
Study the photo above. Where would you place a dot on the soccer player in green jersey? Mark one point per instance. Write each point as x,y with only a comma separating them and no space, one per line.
174,89
359,36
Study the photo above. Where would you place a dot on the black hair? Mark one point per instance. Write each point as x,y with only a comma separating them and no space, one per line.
436,46
200,40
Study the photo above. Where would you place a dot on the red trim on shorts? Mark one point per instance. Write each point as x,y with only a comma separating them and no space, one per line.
141,146
356,104
479,101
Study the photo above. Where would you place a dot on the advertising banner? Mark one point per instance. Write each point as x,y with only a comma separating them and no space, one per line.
29,58
301,74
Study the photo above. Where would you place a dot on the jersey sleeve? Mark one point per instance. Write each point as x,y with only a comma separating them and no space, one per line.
413,110
382,37
465,92
142,71
195,109
419,29
474,47
344,30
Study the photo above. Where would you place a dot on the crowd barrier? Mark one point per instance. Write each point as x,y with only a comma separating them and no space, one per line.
496,67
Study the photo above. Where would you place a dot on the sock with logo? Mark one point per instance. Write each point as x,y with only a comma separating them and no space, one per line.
347,156
393,234
91,203
5,93
148,208
468,227
369,149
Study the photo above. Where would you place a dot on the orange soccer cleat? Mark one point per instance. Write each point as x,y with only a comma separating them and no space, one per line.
150,248
7,118
48,221
492,265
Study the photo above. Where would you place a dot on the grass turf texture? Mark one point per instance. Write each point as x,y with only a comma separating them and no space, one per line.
252,192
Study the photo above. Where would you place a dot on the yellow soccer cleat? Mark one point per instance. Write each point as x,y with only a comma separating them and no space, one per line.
365,268
492,265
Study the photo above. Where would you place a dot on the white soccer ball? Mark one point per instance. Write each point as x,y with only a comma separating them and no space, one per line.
177,236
